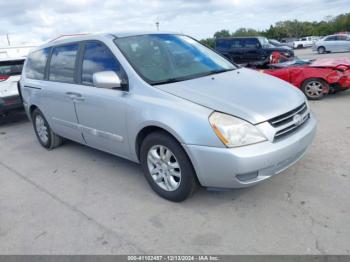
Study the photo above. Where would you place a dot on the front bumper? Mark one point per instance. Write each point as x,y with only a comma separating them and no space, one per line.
249,165
10,103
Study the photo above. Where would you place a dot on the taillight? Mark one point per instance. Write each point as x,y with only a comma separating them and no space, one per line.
3,78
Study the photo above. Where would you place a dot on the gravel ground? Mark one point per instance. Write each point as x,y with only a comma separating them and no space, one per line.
76,200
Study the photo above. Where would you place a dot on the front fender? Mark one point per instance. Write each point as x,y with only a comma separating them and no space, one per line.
186,121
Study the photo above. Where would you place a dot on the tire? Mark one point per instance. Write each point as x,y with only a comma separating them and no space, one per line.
174,184
313,88
47,138
321,50
300,47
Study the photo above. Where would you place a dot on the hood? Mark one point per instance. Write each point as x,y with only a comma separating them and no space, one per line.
244,93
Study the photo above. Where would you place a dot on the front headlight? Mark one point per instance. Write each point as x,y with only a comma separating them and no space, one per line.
233,131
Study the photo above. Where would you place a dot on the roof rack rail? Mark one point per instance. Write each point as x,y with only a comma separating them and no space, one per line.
67,36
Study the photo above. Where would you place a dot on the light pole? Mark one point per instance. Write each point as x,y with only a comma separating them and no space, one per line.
8,39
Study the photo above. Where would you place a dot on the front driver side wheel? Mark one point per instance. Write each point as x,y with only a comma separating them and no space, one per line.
167,168
47,138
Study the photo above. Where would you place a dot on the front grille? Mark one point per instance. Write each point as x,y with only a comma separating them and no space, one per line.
286,123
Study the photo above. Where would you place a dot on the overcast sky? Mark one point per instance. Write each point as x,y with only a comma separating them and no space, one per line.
33,20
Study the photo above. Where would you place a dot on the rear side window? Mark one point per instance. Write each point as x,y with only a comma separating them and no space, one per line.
35,67
98,58
342,38
229,43
11,68
62,64
251,43
237,43
223,43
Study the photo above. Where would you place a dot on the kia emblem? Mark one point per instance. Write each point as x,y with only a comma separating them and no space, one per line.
298,120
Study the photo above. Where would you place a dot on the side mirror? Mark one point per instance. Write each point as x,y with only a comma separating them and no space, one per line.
107,79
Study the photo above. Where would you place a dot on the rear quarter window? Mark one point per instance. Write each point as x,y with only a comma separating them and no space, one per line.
36,62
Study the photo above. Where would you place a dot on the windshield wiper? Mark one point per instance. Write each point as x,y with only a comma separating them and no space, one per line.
170,80
214,72
179,79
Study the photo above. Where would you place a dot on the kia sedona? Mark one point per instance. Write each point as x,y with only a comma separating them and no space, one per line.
188,115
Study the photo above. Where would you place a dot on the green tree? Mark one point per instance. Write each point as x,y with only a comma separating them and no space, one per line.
222,33
292,28
246,32
210,42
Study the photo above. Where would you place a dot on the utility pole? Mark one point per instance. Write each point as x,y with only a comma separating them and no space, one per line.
157,25
8,39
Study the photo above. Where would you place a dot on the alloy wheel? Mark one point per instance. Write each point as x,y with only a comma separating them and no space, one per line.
41,129
164,168
314,89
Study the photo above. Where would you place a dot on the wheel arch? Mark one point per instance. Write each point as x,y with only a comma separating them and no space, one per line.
146,130
151,128
315,78
325,88
31,110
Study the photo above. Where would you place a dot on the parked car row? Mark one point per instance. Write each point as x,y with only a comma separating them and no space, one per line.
185,113
339,42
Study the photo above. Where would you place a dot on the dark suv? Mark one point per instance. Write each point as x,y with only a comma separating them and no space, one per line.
249,50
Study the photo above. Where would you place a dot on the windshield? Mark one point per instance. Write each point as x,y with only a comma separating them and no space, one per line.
264,42
274,42
166,58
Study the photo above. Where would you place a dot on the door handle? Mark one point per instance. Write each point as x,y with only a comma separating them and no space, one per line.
73,94
76,99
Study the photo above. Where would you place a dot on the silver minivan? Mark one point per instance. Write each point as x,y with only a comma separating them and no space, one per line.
188,115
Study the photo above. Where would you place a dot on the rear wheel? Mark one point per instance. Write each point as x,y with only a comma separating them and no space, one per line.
167,168
47,138
321,50
315,88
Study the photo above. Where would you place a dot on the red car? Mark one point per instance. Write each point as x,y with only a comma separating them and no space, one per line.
315,78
